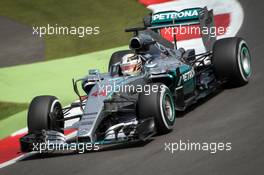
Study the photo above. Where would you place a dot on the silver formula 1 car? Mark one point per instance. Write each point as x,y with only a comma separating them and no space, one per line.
118,107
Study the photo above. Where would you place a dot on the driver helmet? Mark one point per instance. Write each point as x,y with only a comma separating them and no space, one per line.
131,64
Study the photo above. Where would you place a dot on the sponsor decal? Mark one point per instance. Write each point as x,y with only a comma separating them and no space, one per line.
99,93
188,75
188,14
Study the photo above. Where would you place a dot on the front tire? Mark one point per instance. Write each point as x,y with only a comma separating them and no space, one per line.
232,61
158,104
43,113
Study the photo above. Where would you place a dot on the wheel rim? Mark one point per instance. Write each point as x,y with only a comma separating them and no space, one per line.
168,108
57,112
245,60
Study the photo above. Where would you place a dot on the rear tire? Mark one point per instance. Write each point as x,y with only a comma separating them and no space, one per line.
158,104
43,113
232,61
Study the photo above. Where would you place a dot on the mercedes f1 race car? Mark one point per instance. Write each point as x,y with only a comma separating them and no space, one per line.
143,89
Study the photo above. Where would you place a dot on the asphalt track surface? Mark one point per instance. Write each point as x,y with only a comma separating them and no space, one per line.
18,45
234,115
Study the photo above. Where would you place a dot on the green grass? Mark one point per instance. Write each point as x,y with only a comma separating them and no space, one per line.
20,84
8,108
13,123
111,16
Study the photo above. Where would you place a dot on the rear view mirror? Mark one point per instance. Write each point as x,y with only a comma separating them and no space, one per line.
94,72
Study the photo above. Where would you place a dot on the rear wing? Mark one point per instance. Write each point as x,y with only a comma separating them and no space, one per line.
187,17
